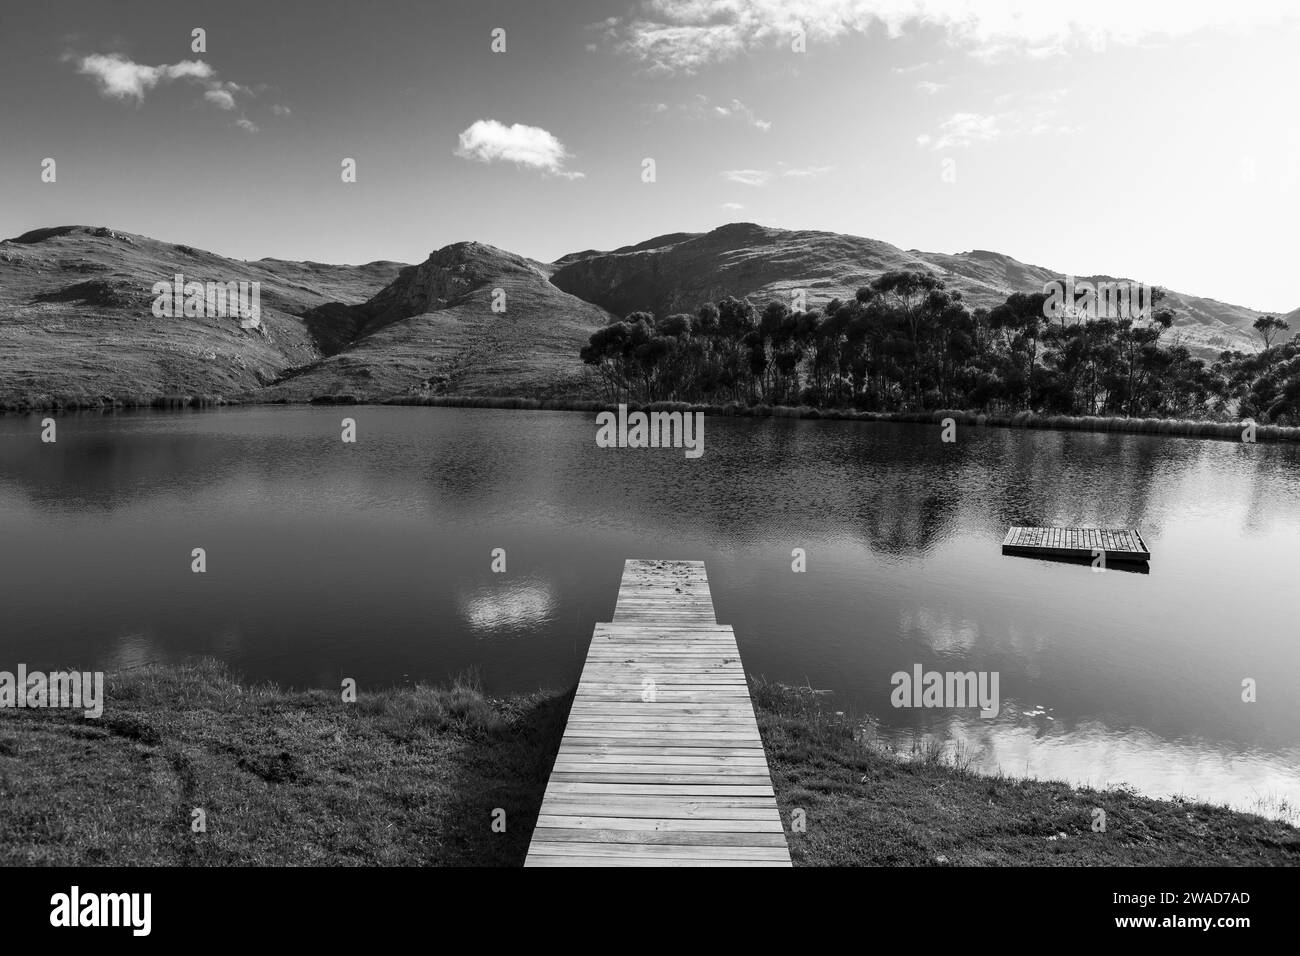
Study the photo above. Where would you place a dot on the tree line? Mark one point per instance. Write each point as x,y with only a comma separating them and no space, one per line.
906,342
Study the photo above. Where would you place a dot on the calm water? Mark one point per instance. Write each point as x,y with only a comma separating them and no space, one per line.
371,561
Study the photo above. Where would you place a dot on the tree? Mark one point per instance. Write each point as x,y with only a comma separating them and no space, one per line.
1023,315
1268,326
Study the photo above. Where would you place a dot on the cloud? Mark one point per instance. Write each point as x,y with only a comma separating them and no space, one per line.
685,36
120,78
1030,113
963,129
733,206
674,48
927,86
739,109
761,177
488,141
747,177
806,172
700,107
221,99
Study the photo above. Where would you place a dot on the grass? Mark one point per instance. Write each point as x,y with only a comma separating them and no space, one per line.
867,805
406,776
412,776
1186,428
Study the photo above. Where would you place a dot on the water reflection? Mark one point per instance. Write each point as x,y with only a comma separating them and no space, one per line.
511,606
373,560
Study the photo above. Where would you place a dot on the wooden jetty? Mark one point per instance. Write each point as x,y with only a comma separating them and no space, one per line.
661,762
1119,544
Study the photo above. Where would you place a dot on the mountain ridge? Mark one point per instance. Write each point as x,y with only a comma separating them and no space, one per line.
76,325
834,265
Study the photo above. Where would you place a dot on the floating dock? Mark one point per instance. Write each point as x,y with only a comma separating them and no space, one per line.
1119,544
661,762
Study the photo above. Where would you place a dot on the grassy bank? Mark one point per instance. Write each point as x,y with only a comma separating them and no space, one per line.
1186,428
866,805
411,776
106,403
402,777
1231,431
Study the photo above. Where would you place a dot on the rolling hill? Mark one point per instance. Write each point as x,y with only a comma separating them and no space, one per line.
434,330
77,327
675,273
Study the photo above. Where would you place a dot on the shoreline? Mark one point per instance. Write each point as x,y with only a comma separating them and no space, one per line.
414,775
1183,428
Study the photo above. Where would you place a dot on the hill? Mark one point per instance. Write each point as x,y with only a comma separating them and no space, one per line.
434,329
675,273
77,324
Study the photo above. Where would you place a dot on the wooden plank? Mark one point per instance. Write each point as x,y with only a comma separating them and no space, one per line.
666,789
677,777
661,773
677,837
606,776
685,757
663,851
667,807
543,860
560,821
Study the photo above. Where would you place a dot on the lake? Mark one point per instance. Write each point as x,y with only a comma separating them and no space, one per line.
371,560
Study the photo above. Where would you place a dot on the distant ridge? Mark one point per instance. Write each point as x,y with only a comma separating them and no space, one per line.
76,325
676,272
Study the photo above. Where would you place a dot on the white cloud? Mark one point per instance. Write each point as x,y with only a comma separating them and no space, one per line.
221,99
747,177
963,129
700,107
488,141
733,206
927,86
1032,113
761,177
913,68
806,172
739,109
684,36
121,78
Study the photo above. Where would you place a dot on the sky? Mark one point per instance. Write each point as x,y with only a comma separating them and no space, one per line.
1152,140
